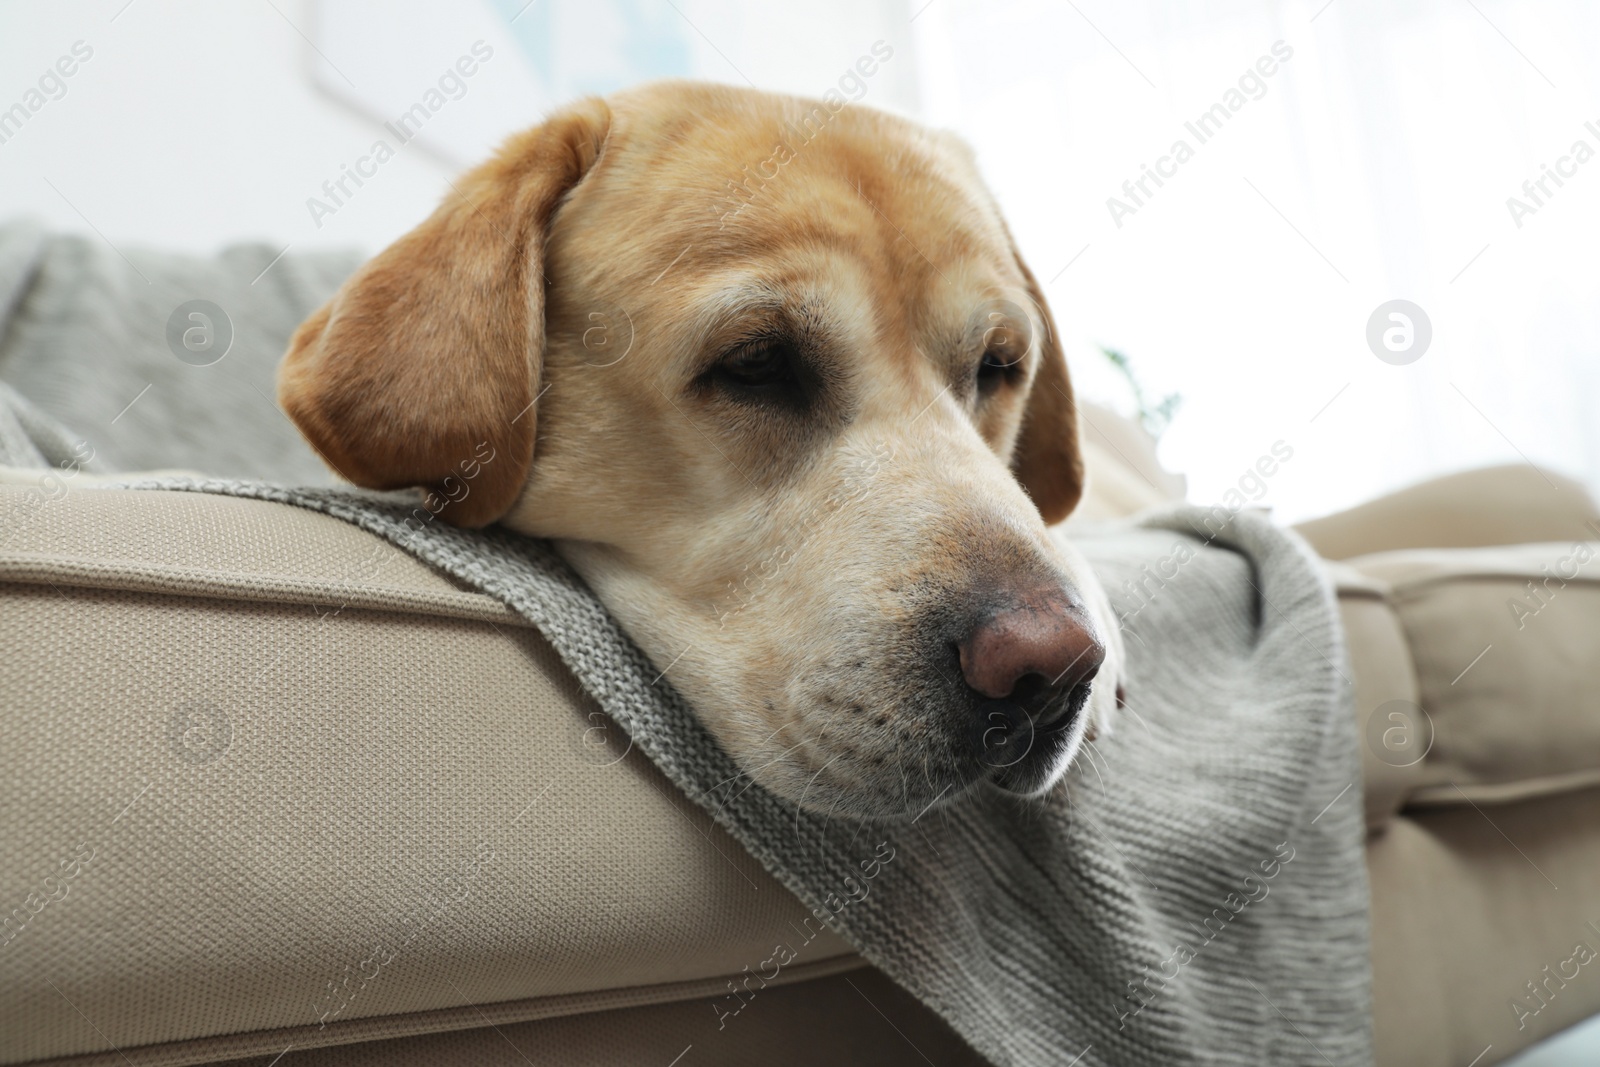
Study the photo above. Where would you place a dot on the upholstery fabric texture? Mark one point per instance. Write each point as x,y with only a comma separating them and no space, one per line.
279,811
1476,913
855,1018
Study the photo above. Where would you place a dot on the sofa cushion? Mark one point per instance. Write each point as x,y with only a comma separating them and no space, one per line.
1505,643
265,777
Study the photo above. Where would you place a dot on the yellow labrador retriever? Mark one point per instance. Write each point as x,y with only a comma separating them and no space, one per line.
777,384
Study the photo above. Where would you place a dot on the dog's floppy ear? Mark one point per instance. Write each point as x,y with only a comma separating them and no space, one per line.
423,369
1047,460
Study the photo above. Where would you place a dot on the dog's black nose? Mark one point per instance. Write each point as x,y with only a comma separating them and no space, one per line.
1037,656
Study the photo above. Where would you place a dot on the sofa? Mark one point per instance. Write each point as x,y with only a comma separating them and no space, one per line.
272,791
269,785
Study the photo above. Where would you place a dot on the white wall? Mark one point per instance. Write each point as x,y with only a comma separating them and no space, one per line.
193,125
1390,143
197,122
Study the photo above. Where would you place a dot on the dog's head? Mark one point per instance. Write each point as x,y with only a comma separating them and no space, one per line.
775,380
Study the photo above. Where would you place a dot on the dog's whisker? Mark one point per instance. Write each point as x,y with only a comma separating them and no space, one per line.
826,819
1136,714
749,772
800,804
1088,752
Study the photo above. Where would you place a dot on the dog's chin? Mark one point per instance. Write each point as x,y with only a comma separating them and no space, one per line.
905,791
889,790
866,804
1036,774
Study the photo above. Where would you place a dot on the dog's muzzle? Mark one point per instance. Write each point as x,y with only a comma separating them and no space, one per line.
1031,664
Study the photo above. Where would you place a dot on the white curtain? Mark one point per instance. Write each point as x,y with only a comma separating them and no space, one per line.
1374,163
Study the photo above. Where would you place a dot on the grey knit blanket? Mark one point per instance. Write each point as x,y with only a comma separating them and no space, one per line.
1197,896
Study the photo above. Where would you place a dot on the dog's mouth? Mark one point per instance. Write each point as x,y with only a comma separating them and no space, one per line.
1019,748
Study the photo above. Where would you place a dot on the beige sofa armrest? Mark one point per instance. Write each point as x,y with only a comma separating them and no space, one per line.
1492,506
263,772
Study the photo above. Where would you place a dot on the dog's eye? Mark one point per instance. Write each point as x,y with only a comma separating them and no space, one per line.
760,367
998,365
